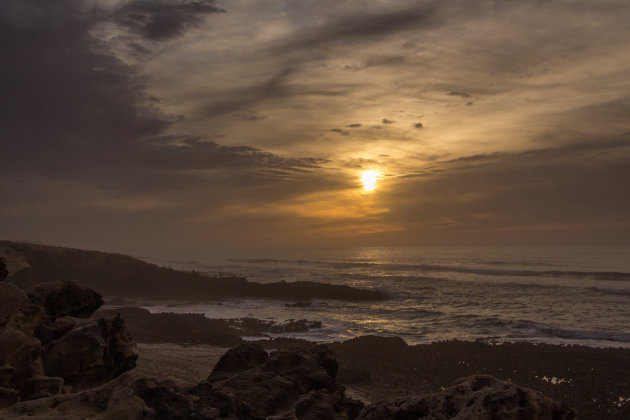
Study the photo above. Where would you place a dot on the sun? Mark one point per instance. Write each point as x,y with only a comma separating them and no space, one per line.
369,178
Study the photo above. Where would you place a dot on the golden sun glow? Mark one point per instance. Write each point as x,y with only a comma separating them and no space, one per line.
369,178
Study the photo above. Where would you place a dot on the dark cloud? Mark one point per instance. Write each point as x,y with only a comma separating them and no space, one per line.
71,109
418,125
339,131
384,60
277,87
355,125
161,20
386,121
358,27
546,164
359,163
250,117
556,195
462,94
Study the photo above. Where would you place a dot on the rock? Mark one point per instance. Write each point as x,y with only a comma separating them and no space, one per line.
474,397
378,344
13,301
8,396
65,298
298,305
21,370
184,329
238,359
129,397
247,383
40,346
300,325
52,330
91,353
4,273
170,403
326,358
352,373
39,386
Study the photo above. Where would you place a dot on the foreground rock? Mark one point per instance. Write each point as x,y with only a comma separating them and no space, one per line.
22,373
4,272
65,298
247,383
44,346
474,397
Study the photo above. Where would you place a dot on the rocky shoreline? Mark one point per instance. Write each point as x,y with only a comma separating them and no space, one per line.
193,329
61,358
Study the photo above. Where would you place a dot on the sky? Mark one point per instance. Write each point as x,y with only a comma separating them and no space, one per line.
157,125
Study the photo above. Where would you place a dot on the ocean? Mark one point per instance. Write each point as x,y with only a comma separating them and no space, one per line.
519,294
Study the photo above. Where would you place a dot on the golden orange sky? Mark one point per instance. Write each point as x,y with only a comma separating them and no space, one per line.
188,124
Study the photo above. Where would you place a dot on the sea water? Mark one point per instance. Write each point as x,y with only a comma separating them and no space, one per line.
547,295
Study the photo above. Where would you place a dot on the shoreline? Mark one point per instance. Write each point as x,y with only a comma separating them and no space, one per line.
221,321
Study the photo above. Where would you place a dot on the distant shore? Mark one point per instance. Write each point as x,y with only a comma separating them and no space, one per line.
121,275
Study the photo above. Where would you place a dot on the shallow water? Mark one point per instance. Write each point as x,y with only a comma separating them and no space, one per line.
551,295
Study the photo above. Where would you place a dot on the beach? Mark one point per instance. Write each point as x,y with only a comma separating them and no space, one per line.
593,381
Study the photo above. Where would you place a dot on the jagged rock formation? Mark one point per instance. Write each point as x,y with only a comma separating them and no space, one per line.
65,298
43,345
247,383
474,397
22,374
4,272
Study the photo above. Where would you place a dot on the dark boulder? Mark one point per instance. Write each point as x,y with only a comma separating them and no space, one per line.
41,346
4,273
474,397
249,384
91,353
239,359
129,397
65,298
22,374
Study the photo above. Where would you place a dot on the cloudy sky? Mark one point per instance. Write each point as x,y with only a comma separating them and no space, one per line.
143,125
